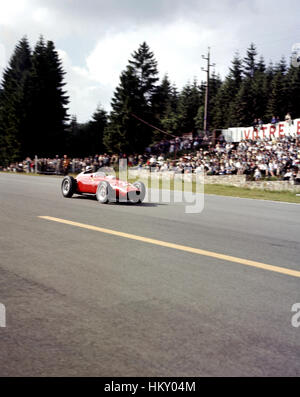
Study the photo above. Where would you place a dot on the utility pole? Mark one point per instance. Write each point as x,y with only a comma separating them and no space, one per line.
209,65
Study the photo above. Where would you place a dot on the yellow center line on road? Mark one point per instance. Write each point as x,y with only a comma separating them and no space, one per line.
246,262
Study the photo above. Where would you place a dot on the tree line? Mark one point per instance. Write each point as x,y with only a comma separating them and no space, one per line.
33,112
34,115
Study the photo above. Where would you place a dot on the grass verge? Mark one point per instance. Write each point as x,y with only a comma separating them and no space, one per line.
258,194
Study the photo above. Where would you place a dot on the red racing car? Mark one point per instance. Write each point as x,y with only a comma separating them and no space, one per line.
105,186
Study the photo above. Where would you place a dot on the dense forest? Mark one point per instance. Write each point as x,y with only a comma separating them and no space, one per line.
34,115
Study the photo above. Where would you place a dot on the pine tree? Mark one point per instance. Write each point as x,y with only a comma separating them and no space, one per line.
189,103
243,112
235,73
96,129
260,91
231,88
145,69
58,99
261,66
269,75
277,104
46,102
124,133
85,139
245,106
133,97
170,117
161,97
250,65
218,111
164,108
12,113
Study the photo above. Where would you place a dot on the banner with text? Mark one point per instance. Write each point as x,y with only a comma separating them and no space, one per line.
269,131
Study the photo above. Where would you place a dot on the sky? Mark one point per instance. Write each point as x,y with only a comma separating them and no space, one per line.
95,38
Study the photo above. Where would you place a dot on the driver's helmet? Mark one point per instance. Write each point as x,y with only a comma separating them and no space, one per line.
89,169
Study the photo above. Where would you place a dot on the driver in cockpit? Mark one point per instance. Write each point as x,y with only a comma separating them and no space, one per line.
88,170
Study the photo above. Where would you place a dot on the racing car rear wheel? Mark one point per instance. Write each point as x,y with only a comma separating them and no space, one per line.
139,196
68,186
103,193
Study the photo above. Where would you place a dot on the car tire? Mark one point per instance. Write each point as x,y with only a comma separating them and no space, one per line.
103,193
135,198
68,186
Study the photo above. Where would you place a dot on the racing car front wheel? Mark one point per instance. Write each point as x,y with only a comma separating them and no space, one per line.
68,186
103,192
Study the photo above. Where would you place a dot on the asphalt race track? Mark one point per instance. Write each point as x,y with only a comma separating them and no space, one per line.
83,302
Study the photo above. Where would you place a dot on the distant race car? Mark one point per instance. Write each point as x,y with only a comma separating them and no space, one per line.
105,186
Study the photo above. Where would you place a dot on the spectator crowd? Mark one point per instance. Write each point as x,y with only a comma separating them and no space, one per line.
257,159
